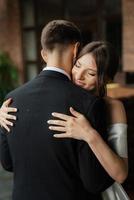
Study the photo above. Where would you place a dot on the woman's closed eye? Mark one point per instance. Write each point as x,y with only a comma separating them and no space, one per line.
77,65
91,74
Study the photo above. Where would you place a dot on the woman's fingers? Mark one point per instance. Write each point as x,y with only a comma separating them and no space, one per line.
10,116
10,109
61,116
7,102
74,112
57,122
5,126
61,135
6,122
57,128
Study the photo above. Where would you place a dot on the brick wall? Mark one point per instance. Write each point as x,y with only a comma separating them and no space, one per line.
128,35
10,32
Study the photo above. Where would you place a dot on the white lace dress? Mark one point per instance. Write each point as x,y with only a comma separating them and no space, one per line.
117,137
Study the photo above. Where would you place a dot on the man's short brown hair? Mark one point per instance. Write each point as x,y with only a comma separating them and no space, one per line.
59,32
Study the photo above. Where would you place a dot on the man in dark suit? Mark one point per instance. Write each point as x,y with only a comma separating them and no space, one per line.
44,167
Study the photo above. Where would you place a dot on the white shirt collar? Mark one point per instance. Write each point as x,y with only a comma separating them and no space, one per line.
57,70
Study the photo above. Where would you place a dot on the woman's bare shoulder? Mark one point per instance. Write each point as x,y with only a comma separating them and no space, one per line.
116,110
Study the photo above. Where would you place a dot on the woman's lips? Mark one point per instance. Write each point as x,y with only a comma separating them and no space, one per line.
79,83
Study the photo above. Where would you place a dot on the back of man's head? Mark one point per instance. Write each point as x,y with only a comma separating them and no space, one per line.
59,34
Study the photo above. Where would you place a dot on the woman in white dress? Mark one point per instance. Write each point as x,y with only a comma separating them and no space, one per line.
95,66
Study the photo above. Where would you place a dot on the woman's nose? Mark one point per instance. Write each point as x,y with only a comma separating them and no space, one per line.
80,75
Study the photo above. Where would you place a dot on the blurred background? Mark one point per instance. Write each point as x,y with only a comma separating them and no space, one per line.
21,23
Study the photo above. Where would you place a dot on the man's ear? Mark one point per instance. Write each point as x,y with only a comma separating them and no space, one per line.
44,55
76,47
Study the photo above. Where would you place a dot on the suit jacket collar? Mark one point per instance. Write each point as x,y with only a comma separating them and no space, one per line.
57,70
54,74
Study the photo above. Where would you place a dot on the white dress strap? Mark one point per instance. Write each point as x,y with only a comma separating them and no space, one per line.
117,138
115,192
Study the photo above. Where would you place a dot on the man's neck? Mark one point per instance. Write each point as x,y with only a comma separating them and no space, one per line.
66,66
60,58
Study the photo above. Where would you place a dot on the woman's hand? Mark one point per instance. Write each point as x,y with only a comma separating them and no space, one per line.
76,126
4,116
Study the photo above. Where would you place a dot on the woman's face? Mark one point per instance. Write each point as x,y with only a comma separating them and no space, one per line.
84,72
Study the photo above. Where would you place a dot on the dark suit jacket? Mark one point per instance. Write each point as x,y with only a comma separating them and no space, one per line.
45,167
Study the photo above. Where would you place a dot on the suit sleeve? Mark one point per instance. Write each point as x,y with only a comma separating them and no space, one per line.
5,156
95,179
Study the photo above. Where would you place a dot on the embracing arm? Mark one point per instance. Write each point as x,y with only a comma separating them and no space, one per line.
93,175
79,127
115,165
100,179
114,162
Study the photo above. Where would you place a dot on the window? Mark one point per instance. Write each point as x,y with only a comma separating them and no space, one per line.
29,39
97,21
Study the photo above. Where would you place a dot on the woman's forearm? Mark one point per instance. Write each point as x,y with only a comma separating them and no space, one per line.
78,127
112,163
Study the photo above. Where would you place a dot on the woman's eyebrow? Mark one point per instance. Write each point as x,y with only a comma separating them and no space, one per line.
79,63
92,69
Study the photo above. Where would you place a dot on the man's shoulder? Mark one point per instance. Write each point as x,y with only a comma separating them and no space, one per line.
19,90
82,97
82,92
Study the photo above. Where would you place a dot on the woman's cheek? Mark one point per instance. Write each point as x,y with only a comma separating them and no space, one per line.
91,84
73,74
